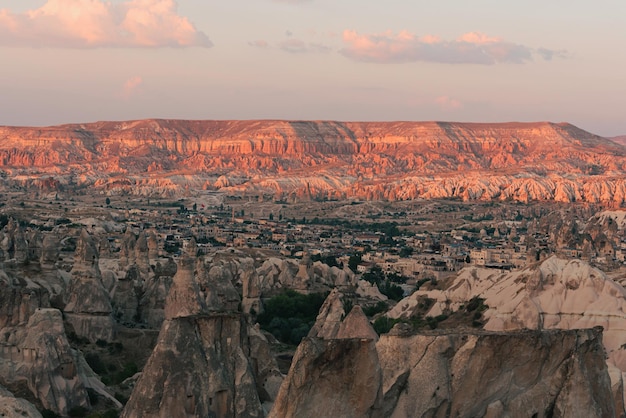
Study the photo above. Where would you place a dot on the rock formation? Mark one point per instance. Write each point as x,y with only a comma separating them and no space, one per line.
276,274
553,294
11,407
207,361
390,160
518,374
335,371
89,306
343,369
38,356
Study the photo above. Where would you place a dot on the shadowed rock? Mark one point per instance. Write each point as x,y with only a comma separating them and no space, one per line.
89,307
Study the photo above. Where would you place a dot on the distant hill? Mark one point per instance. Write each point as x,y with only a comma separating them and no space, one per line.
319,159
619,139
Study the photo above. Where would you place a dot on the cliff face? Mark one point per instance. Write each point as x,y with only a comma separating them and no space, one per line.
390,160
341,369
520,374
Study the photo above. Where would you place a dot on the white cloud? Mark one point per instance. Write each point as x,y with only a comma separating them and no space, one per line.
98,23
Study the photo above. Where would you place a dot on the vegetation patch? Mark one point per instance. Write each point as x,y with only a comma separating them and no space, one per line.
290,315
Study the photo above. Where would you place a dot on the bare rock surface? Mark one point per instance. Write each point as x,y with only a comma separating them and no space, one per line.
199,368
11,407
40,355
308,159
551,373
89,309
335,371
329,319
208,361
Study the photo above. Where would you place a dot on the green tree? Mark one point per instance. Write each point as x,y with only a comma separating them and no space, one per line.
107,201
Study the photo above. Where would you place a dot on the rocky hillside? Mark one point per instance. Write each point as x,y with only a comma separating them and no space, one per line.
343,369
304,160
552,294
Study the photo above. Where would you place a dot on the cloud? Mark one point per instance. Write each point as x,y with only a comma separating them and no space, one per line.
297,46
259,44
447,103
548,54
470,48
292,46
130,86
99,23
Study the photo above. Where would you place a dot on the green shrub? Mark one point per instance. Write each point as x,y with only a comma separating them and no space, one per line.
383,324
290,315
46,413
96,364
375,309
77,412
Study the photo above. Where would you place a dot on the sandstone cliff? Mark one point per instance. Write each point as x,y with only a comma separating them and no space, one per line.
88,309
302,160
553,294
517,374
340,370
38,356
208,361
335,371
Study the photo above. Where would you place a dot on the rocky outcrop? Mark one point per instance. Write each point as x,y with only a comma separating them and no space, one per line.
306,159
38,356
208,361
11,407
335,371
553,294
519,374
199,368
88,309
331,378
343,369
19,299
276,274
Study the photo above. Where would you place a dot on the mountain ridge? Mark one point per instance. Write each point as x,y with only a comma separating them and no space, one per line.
320,159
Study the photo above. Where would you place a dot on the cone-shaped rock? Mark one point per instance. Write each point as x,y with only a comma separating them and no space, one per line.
89,307
329,318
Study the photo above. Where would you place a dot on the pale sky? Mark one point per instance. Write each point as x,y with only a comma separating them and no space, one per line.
65,61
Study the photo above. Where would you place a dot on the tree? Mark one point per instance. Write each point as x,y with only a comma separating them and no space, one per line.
271,216
195,207
354,261
107,201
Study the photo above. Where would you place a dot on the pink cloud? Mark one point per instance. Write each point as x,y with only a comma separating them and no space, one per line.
99,23
259,44
448,103
130,86
470,48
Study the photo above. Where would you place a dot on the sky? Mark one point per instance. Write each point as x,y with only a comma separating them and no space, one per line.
70,61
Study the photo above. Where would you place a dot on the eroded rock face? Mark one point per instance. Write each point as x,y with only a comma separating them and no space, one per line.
276,274
39,354
88,309
521,374
199,368
331,378
11,407
335,371
376,160
208,361
553,294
